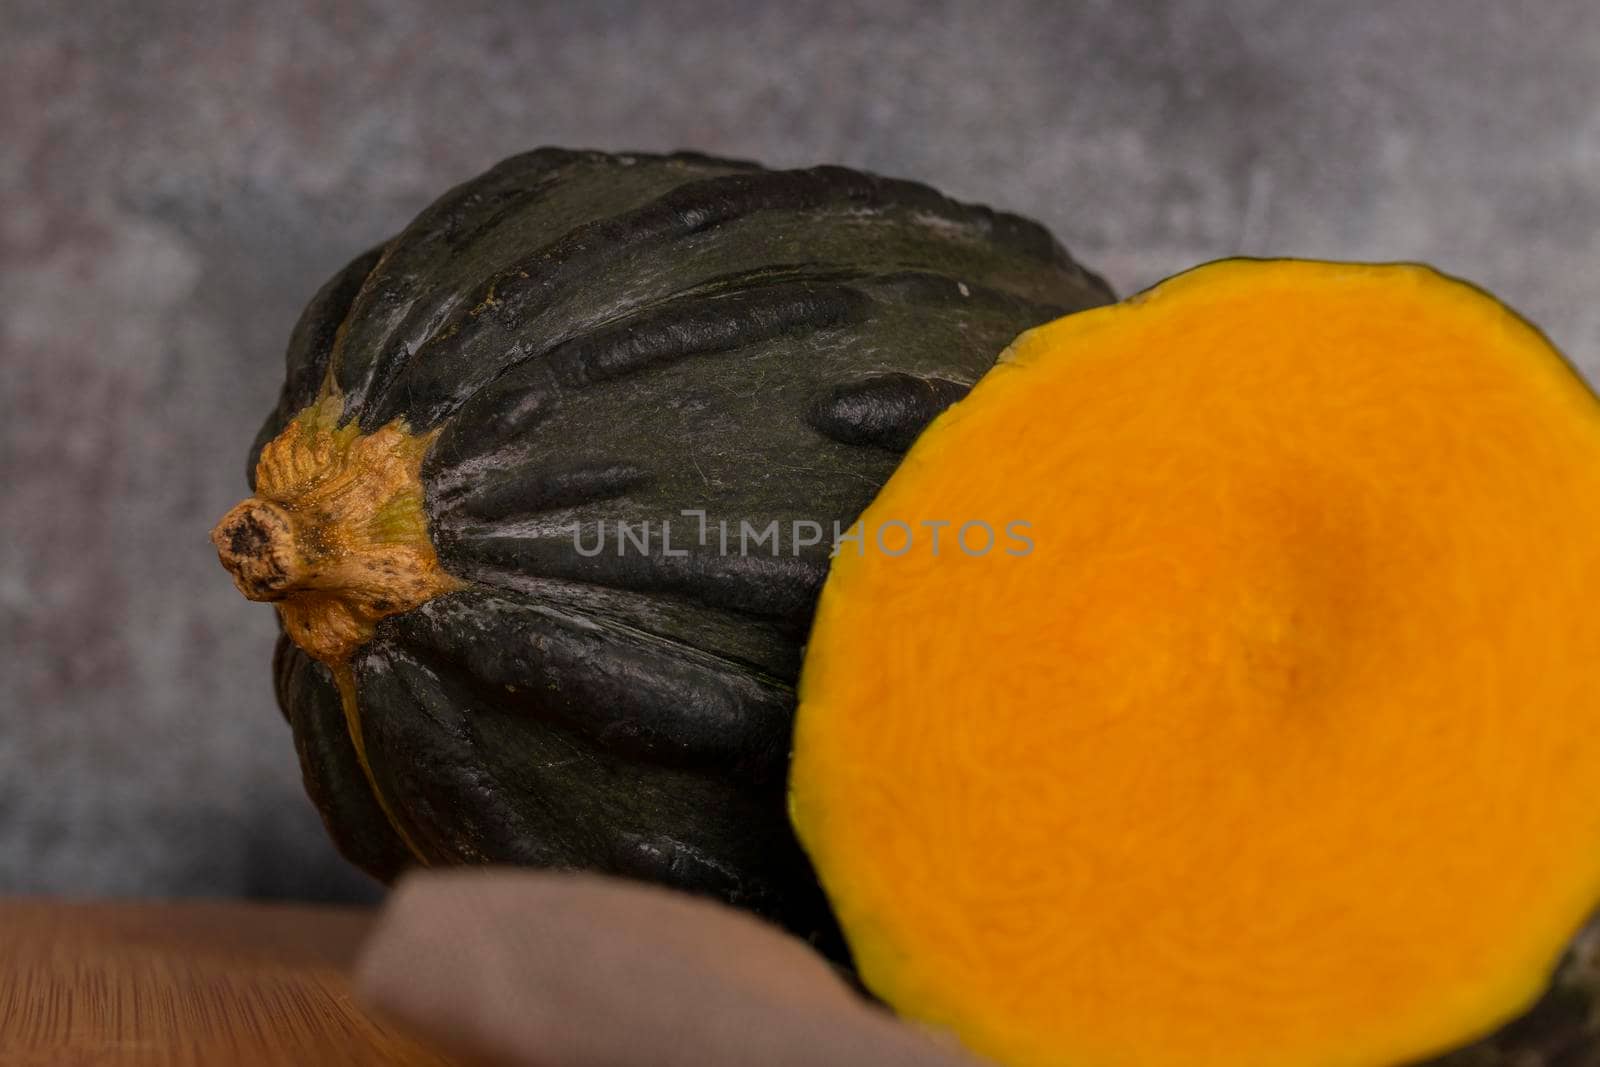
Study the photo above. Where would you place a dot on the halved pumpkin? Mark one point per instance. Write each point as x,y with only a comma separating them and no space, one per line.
1265,727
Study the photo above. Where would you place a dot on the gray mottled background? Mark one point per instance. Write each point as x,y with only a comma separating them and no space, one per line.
176,179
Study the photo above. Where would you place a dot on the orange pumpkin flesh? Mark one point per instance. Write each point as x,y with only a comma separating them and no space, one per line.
1281,744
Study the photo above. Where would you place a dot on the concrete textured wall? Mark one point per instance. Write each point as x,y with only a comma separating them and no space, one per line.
177,178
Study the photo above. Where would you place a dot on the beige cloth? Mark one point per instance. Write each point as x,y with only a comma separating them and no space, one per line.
560,970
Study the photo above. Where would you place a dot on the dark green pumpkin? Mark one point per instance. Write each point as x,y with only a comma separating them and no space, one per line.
626,337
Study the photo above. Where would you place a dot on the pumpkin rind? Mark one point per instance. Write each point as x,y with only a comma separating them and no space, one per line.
590,338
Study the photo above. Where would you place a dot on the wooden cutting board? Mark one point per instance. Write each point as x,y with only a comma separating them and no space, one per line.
187,985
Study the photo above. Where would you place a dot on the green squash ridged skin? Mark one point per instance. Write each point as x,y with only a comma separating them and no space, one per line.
600,337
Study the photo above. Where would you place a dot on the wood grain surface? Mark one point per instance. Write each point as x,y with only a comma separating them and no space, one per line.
184,985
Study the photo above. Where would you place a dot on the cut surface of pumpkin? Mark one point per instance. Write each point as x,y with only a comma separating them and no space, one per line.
1266,730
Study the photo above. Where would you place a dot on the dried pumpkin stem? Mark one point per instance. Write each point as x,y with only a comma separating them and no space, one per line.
335,535
256,543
